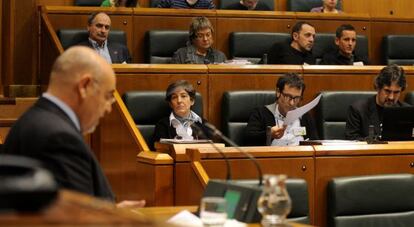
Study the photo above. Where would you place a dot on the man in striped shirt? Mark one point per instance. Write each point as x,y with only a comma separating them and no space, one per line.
186,4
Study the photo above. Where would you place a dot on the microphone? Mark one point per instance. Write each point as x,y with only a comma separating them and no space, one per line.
218,133
242,196
199,131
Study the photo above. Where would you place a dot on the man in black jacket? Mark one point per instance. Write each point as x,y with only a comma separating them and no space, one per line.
80,92
266,124
363,113
99,25
344,54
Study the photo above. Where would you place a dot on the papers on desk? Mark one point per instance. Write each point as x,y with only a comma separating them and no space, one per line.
185,218
292,115
162,140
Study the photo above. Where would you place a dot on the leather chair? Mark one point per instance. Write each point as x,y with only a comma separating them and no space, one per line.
398,49
298,192
306,5
236,108
161,45
88,2
409,98
378,200
154,3
252,45
325,42
225,3
148,107
332,110
71,37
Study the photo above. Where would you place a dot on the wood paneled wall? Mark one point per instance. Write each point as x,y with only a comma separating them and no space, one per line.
19,49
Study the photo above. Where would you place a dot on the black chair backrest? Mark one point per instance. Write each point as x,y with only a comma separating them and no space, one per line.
252,45
378,200
148,107
161,45
298,192
236,108
88,2
225,3
398,49
306,5
409,98
71,37
154,3
331,112
324,42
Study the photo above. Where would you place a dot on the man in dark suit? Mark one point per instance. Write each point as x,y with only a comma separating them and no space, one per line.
364,113
99,25
80,92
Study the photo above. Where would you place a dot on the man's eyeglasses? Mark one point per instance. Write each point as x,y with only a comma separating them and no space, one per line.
289,97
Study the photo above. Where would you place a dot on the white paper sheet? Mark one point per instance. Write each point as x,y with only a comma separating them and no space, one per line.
185,218
292,115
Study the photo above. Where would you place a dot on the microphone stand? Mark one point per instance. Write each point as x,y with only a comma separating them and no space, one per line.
228,169
233,144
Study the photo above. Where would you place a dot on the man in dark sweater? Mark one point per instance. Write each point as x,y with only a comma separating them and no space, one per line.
344,54
298,51
266,125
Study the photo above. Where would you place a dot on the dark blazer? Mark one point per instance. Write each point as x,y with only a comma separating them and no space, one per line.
47,134
163,129
262,117
361,115
119,53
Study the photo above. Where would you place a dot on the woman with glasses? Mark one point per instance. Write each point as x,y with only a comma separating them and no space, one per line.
266,124
199,49
182,123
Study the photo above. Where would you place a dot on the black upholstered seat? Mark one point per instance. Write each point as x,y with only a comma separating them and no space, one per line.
148,107
88,2
398,49
331,112
161,44
306,5
225,3
252,45
71,37
236,109
377,200
409,98
298,192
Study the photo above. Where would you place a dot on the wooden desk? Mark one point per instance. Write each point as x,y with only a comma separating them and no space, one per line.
75,209
164,213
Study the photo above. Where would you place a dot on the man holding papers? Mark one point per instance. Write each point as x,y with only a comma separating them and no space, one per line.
268,125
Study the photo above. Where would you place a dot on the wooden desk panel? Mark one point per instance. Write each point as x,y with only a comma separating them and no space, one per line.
356,160
296,162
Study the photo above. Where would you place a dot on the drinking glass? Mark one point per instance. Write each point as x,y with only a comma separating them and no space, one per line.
213,211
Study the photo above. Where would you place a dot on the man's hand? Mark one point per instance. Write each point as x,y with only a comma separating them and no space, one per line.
277,131
130,204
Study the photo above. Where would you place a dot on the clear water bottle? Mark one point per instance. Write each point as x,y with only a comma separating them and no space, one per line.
274,204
